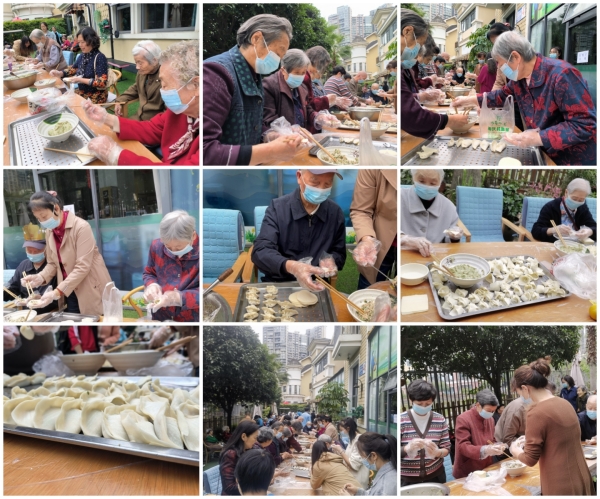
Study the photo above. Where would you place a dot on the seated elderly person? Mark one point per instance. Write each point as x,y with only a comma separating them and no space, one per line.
588,418
553,97
265,440
176,131
50,55
212,442
569,212
146,88
373,94
298,229
171,276
474,429
425,213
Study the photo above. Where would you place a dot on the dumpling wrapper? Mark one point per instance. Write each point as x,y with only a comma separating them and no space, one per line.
151,407
27,332
18,380
101,387
139,429
10,405
167,429
17,392
506,161
89,396
69,418
306,298
112,424
23,413
37,378
84,154
47,411
91,417
188,417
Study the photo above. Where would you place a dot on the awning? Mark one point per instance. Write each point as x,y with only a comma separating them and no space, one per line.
392,382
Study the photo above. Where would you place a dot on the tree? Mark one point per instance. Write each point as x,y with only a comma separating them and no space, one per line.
332,400
338,52
238,368
413,7
485,352
590,345
479,42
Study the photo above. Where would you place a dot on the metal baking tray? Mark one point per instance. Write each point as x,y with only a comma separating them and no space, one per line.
485,284
322,311
68,316
392,129
26,147
333,141
452,156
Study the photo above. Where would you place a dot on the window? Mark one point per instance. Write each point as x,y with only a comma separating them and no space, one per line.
170,16
555,30
320,366
388,34
355,67
537,37
74,187
354,386
18,188
372,423
124,18
465,24
125,193
360,66
284,388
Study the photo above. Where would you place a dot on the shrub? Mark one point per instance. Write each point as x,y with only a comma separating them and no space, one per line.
29,25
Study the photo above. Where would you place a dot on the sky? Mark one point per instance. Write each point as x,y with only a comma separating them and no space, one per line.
301,328
328,8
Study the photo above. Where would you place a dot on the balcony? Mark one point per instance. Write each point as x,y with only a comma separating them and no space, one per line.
346,346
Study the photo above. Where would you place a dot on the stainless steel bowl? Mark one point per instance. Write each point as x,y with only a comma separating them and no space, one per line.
453,93
211,302
358,113
425,489
19,83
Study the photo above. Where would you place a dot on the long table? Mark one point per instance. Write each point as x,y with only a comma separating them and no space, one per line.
570,309
301,485
14,110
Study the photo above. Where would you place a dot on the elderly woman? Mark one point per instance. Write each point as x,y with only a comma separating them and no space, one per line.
265,440
336,85
65,43
90,71
474,429
553,97
232,129
176,131
570,213
425,213
171,276
146,88
414,119
50,55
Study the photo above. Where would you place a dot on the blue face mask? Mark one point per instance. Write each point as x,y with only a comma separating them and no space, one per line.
426,192
36,258
315,195
374,92
421,411
511,74
344,433
285,439
554,56
409,63
485,414
368,465
591,414
573,205
481,61
51,223
564,385
393,73
346,441
267,65
294,81
279,435
459,74
361,81
318,80
182,252
173,101
526,401
409,54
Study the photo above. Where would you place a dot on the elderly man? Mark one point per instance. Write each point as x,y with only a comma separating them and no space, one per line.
327,439
512,422
587,419
303,233
50,55
146,88
355,84
373,94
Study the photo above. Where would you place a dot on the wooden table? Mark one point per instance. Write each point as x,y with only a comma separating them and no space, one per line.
301,487
39,317
231,291
571,309
14,110
409,142
34,467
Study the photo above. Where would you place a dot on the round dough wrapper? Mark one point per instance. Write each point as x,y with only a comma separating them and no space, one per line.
27,332
509,162
304,297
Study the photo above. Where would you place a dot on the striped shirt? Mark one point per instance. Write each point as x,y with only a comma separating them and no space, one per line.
437,432
338,87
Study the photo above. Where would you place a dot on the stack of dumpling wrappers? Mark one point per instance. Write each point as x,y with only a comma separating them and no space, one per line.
144,412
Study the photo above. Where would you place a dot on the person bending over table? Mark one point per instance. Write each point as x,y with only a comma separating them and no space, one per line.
265,440
241,441
50,55
176,131
425,213
350,455
329,471
587,419
254,472
301,226
570,213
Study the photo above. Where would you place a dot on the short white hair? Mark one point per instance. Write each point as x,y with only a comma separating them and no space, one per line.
414,171
147,48
184,58
579,184
177,226
511,41
37,33
294,59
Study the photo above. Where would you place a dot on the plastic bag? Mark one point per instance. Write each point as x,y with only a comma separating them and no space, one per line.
491,483
48,100
368,154
112,304
51,365
281,126
494,123
577,274
164,368
383,310
211,308
327,262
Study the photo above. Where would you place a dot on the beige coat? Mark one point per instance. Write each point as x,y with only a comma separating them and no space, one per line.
501,80
374,211
331,473
87,274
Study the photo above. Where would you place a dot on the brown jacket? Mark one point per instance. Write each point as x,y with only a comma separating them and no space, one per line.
193,347
331,473
511,424
17,49
147,90
374,211
62,64
87,274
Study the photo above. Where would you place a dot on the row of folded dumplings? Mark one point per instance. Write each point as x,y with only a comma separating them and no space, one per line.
267,312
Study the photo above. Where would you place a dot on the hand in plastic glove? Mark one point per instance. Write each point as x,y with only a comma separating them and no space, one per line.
56,73
457,121
303,273
326,120
271,135
168,299
564,230
430,95
419,244
342,102
413,447
465,101
492,450
23,302
432,451
105,149
583,233
96,113
35,280
286,147
118,109
349,489
329,266
47,298
11,333
366,250
159,336
528,138
383,311
152,293
515,448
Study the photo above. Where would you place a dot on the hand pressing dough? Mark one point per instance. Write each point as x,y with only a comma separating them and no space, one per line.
69,419
414,304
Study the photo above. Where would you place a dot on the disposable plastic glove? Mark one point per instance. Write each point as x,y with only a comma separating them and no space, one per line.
168,299
465,101
303,273
565,230
47,298
56,73
152,293
11,333
327,120
341,102
35,280
94,112
493,450
327,263
430,95
23,302
105,149
528,138
583,233
159,336
420,244
432,451
366,250
413,447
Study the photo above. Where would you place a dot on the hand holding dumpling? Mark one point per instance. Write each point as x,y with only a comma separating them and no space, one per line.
105,149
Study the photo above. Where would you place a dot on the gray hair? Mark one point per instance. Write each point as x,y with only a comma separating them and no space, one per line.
225,428
150,50
184,58
265,435
37,33
411,18
271,26
294,59
579,184
177,226
583,388
486,397
414,171
325,438
286,432
511,41
319,58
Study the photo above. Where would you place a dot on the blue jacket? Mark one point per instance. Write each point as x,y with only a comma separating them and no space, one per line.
570,395
587,425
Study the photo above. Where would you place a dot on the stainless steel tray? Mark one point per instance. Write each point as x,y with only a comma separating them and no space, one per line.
333,141
454,156
322,311
485,284
392,129
67,316
26,147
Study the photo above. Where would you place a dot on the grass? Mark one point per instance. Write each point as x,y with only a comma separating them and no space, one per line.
124,85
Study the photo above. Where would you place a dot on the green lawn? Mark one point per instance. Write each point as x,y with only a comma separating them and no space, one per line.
124,85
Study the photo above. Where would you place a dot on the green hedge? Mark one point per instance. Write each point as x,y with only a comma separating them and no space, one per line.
29,26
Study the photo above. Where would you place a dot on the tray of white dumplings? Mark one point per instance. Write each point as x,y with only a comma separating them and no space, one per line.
129,415
513,281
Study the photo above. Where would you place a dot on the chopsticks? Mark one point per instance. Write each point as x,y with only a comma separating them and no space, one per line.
11,293
440,269
558,232
126,342
177,343
511,457
379,119
436,260
340,295
69,152
28,286
310,137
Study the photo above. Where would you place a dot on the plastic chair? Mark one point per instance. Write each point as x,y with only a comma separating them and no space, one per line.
211,479
223,243
593,206
448,468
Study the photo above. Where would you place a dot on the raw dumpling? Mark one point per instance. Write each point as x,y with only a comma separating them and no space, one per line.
112,425
188,417
459,142
424,155
272,290
151,405
47,411
251,315
18,380
475,144
37,378
494,145
501,146
427,151
451,142
484,145
17,392
23,413
252,308
91,417
466,143
139,429
167,429
10,405
69,419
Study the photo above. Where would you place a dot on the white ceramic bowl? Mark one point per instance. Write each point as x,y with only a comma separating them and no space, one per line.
122,361
50,121
85,363
350,152
21,314
46,82
21,95
359,297
412,274
571,244
475,261
514,471
376,131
